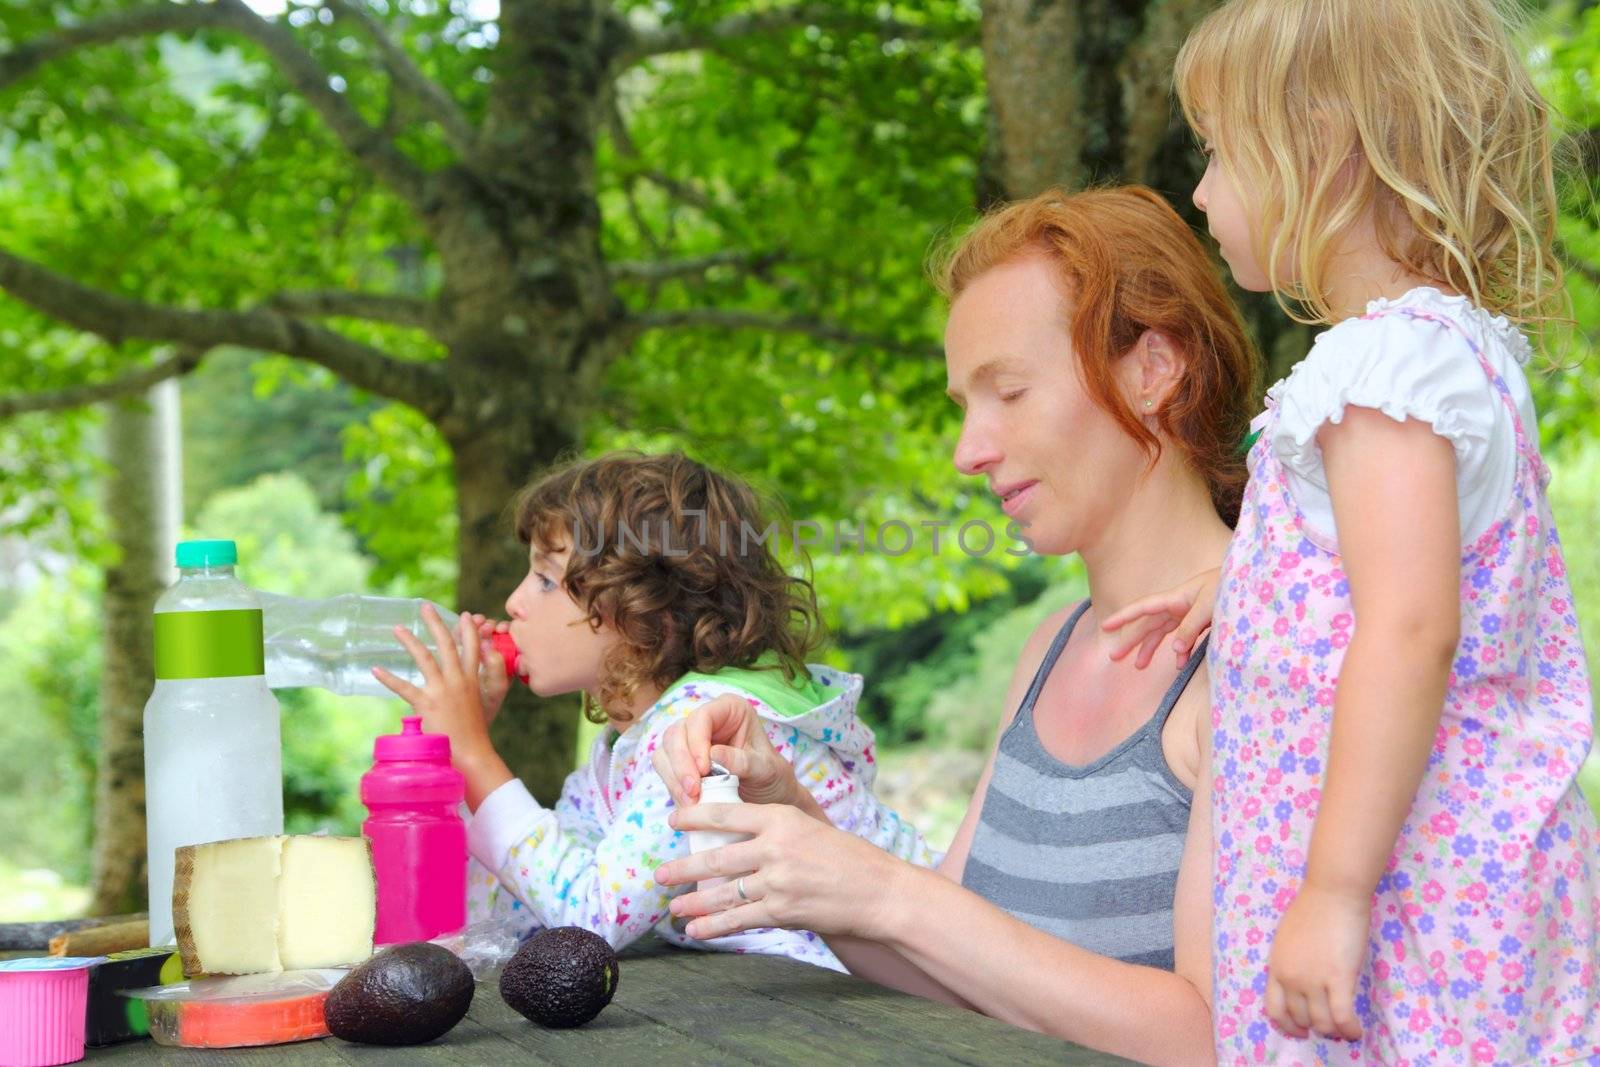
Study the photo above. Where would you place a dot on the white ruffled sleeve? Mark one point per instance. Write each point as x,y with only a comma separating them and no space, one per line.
1407,368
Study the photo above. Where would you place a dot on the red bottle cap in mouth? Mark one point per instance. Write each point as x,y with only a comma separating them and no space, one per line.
509,652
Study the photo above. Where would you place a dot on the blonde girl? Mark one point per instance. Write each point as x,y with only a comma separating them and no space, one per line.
1405,869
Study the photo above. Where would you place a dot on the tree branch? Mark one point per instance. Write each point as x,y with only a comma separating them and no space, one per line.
405,72
682,191
115,318
647,43
728,319
310,80
23,59
77,396
686,192
749,262
338,303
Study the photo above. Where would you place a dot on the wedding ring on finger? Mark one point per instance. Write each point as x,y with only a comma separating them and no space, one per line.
738,887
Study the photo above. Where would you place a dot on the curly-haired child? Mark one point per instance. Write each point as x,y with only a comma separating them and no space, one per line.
651,590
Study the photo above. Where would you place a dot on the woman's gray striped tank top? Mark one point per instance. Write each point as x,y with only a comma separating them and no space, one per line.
1089,854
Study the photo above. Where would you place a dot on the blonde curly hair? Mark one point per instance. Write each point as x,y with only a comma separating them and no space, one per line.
1429,99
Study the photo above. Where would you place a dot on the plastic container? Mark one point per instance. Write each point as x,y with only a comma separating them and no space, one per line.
419,843
333,644
719,787
242,1024
43,1003
112,1017
212,751
240,1012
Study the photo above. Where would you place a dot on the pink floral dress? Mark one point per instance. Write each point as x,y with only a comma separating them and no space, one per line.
1483,940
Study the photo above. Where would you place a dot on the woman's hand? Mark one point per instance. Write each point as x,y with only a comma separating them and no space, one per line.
795,872
1315,962
1184,612
726,730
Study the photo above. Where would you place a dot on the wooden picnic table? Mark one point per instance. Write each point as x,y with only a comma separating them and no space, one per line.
680,1007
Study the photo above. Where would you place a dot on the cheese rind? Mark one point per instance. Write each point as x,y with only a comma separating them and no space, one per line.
225,905
262,904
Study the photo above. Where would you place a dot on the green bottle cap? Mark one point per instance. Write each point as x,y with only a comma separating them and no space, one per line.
207,553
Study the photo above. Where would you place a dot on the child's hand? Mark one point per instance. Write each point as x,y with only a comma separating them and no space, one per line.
488,627
494,680
449,701
729,731
1316,959
1184,612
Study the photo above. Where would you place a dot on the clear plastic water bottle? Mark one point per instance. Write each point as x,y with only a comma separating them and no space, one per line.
333,644
212,753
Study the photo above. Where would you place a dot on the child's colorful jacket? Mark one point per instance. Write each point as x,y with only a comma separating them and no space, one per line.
591,861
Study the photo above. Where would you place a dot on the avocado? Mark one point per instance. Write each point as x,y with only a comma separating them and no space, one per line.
561,977
405,995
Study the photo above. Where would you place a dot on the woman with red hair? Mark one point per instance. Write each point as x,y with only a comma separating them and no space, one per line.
1106,382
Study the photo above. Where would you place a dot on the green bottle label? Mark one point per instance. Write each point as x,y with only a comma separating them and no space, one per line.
209,644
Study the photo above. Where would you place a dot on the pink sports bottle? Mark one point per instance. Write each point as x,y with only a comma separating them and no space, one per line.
419,843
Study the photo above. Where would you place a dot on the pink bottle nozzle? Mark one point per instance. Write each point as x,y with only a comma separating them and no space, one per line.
509,652
411,743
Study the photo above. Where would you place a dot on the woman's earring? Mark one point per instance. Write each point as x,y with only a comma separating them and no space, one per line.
1147,403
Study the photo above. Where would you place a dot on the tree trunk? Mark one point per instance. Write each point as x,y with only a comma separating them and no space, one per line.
140,498
530,315
535,736
1081,93
1035,93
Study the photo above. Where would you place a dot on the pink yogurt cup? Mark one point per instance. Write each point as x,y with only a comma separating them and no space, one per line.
42,1008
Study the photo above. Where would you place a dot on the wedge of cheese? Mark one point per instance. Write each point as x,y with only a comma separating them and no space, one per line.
260,904
327,902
